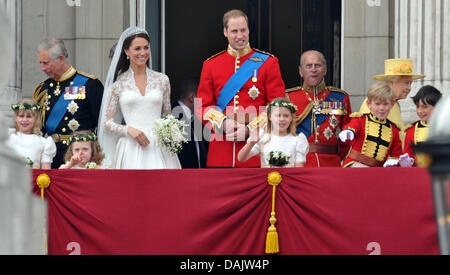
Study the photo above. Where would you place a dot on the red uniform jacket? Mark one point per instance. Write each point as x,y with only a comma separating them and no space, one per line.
417,133
216,72
325,133
374,139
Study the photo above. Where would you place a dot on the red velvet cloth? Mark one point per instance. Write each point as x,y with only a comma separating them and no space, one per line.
227,211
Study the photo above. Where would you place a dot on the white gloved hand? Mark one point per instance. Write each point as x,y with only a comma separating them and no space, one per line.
391,163
346,135
406,161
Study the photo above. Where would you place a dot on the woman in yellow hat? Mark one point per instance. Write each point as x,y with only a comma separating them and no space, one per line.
399,74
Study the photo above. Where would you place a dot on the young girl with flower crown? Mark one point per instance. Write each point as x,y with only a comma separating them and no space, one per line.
280,146
26,139
84,152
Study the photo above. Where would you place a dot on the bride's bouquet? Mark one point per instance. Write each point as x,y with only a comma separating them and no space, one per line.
170,133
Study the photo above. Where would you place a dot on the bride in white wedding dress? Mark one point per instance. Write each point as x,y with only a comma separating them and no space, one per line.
138,96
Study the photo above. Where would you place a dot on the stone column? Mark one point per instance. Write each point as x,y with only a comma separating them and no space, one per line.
12,92
22,215
366,36
422,32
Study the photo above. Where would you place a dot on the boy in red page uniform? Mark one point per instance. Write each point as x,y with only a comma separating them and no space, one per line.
425,99
375,139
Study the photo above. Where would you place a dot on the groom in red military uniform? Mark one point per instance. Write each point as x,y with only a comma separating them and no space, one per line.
322,112
233,86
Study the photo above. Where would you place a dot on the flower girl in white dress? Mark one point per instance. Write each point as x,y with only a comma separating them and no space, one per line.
84,152
26,139
279,146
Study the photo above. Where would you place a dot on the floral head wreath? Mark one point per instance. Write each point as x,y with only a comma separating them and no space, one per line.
26,106
287,105
83,138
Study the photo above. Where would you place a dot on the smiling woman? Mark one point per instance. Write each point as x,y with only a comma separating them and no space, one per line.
139,96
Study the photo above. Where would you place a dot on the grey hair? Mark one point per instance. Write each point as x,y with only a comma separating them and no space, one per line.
55,48
392,78
322,57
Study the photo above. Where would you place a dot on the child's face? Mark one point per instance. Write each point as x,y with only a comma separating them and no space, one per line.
83,150
281,119
25,121
380,108
424,111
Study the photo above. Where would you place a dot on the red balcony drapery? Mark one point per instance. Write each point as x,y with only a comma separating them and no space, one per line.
227,211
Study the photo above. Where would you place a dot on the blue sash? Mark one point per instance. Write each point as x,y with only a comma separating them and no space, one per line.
305,127
238,80
60,108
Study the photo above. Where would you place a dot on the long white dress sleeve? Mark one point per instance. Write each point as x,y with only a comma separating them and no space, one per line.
111,109
139,111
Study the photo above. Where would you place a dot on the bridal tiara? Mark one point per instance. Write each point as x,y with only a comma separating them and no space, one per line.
133,31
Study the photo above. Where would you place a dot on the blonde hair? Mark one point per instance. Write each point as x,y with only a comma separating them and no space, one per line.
292,127
97,151
381,90
233,14
37,114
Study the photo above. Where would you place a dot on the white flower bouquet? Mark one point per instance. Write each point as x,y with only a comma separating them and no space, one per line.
29,162
91,165
278,159
170,133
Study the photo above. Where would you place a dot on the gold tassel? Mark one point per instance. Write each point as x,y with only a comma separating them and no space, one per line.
272,244
43,181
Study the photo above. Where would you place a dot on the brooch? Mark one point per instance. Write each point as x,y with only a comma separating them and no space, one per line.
73,107
73,125
254,93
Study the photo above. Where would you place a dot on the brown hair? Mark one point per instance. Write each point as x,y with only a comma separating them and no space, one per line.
292,127
233,14
97,152
381,90
124,64
37,124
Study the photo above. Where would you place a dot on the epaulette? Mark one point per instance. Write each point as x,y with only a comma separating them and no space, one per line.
87,75
219,53
409,126
334,89
256,50
357,114
37,95
293,89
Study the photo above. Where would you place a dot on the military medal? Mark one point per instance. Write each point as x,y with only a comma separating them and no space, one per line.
255,76
57,92
254,93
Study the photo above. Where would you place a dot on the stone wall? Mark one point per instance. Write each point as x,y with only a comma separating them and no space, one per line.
422,32
367,39
89,31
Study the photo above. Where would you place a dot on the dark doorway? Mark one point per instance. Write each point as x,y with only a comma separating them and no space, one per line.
284,28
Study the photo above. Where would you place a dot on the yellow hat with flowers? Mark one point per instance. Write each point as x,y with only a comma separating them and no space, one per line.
398,67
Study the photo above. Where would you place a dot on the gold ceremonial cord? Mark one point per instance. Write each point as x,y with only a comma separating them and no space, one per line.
43,181
272,244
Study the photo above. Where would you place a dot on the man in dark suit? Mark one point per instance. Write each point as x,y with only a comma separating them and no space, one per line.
194,152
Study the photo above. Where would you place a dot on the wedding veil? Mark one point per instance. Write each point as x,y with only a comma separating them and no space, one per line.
107,139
